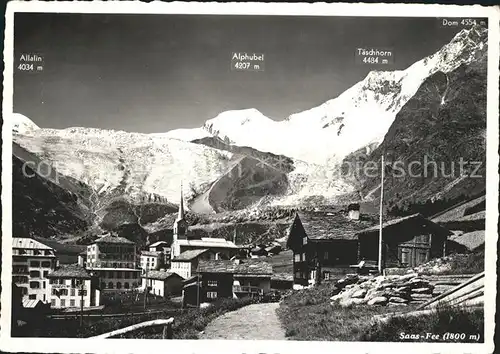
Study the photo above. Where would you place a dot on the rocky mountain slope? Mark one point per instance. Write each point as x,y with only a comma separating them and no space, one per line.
444,123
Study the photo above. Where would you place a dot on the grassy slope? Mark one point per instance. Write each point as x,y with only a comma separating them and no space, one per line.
308,315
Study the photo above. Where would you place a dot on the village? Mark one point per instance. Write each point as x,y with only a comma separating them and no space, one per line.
112,277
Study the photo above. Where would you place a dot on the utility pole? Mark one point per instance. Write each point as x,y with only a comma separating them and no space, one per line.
381,218
145,287
81,302
198,291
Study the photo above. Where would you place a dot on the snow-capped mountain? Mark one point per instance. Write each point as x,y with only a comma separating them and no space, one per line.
22,124
285,163
359,117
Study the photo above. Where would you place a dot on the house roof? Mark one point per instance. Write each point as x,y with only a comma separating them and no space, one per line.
113,239
29,243
395,222
150,253
69,271
189,255
244,267
31,303
207,242
458,211
282,277
59,247
471,240
334,225
157,243
160,275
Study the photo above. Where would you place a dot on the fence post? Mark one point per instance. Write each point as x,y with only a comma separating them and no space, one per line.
170,331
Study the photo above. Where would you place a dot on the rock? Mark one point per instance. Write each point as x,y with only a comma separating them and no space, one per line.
398,299
402,289
379,300
396,304
421,296
359,293
408,277
372,293
351,302
422,291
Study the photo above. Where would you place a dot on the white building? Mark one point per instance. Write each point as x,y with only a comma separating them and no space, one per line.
71,287
151,260
187,262
32,261
162,283
113,260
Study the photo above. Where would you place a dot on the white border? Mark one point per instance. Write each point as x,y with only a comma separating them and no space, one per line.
290,9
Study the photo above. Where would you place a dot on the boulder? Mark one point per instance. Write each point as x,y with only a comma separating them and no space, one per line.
422,290
351,302
379,300
396,304
398,299
359,294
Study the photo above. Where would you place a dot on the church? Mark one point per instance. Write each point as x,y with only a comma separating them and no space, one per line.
184,241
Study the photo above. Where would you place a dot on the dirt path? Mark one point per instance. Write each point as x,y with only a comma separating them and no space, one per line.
258,321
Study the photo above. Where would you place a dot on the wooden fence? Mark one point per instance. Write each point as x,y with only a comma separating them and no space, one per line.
167,328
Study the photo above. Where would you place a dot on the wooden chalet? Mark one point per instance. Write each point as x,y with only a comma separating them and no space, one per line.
407,242
233,278
325,244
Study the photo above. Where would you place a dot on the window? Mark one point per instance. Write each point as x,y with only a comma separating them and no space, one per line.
34,274
43,284
72,303
46,264
325,255
212,283
63,292
297,275
34,285
303,256
103,285
45,273
32,297
34,264
297,257
304,241
126,285
53,302
72,292
54,291
326,275
85,292
212,294
63,303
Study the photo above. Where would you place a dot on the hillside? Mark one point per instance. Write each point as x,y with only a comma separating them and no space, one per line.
443,124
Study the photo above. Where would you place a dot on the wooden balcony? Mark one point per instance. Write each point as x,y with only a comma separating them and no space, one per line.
247,290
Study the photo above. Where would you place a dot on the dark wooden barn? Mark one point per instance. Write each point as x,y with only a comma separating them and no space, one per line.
324,244
407,242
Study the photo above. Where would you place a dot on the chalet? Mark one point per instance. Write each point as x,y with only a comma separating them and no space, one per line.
163,283
187,262
231,278
324,243
281,281
407,242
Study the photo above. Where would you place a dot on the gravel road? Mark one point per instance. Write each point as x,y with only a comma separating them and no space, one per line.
257,321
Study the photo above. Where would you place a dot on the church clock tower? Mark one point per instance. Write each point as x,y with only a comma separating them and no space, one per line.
180,224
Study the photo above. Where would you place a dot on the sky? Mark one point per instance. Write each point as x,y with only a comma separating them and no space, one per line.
154,73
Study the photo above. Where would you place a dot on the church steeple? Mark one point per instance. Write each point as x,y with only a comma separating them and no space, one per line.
180,224
181,207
